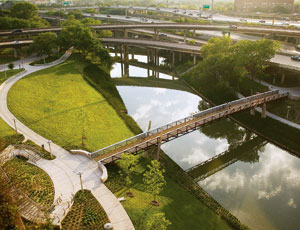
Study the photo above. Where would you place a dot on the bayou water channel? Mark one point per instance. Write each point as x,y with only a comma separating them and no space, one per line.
254,179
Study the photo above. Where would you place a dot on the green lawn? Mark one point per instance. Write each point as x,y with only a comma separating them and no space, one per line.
9,73
181,207
5,130
59,104
4,60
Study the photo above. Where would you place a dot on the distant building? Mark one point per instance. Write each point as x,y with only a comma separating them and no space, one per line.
250,5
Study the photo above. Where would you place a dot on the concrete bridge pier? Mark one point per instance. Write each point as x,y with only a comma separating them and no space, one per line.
194,33
132,54
282,78
125,33
15,52
180,56
157,62
274,80
195,59
264,110
184,36
173,58
155,36
126,59
252,111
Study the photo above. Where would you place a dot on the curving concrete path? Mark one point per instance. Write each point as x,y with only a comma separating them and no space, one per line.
63,170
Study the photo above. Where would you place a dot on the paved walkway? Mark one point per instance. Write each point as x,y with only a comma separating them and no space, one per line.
22,62
293,91
285,121
63,170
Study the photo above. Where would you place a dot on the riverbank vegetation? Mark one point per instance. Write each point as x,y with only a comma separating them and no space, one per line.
214,80
85,214
180,206
102,81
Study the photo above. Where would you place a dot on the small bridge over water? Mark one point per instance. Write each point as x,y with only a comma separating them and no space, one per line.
181,127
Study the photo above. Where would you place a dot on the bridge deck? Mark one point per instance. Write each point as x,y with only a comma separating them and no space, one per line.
181,127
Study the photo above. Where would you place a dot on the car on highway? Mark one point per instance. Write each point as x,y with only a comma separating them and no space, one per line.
262,21
233,26
297,47
190,14
127,17
92,14
17,31
15,42
108,16
243,20
163,34
295,58
285,23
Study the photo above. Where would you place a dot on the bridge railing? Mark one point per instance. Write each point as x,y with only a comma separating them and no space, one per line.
181,121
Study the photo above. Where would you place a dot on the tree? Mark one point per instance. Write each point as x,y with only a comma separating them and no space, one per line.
255,54
44,43
10,66
100,55
154,180
158,222
90,21
75,34
128,163
25,10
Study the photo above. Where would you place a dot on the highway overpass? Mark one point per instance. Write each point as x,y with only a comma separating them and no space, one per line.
170,26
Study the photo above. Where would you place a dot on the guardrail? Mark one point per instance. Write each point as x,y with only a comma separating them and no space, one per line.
181,121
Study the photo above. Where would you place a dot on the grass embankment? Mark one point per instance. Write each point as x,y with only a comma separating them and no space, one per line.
60,105
9,73
85,214
280,108
183,209
105,85
7,59
269,128
31,180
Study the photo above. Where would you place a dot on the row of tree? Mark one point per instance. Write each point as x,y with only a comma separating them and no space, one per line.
21,15
74,34
154,181
226,63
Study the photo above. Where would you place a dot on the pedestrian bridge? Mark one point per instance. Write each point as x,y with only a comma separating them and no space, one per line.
181,127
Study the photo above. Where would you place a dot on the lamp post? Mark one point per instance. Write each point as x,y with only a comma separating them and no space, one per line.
15,125
79,174
288,111
49,143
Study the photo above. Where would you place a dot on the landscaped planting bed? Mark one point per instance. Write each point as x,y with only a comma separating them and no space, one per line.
85,214
31,180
